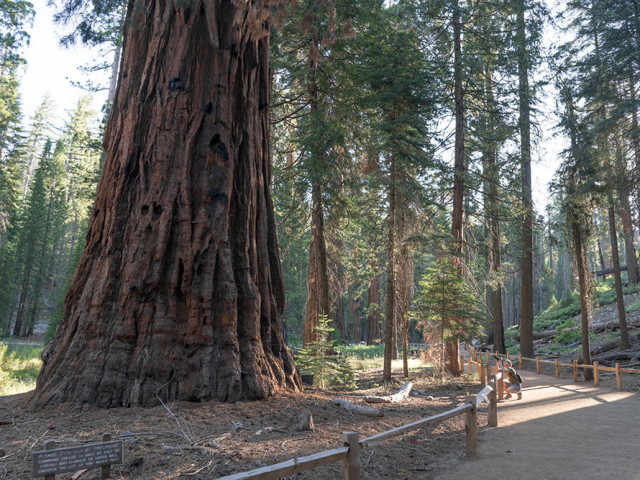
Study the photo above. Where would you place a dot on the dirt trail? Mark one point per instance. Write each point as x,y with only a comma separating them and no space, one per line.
559,430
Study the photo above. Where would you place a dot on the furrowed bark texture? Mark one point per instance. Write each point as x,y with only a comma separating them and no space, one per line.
524,122
178,292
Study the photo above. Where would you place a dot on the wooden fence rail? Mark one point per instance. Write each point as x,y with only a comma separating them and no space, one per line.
349,454
482,366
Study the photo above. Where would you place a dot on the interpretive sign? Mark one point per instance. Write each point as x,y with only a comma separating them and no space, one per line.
61,460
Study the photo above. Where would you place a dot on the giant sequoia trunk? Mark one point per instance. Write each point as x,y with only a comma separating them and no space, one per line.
178,292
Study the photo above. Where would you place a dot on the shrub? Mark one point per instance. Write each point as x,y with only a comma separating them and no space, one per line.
568,337
567,324
566,308
634,307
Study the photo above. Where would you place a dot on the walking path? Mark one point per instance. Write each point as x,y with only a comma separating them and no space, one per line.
560,430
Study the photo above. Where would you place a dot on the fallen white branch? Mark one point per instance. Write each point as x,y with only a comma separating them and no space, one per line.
374,412
404,392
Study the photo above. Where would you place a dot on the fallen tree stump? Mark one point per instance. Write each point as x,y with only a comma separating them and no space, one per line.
404,392
374,412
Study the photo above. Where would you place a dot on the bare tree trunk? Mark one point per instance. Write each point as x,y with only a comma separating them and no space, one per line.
452,347
178,292
622,315
575,222
524,122
317,272
338,294
550,237
373,318
623,184
405,287
492,206
354,309
601,259
390,317
586,309
635,128
629,247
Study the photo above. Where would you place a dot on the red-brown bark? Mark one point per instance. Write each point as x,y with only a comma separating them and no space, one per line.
452,347
178,292
374,319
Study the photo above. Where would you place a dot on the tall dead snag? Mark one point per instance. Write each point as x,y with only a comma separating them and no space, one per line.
178,292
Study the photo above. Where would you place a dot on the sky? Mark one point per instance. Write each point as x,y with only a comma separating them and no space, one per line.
50,67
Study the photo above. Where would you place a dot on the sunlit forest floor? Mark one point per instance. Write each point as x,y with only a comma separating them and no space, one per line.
19,367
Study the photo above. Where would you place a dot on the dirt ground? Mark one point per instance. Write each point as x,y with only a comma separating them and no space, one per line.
213,439
560,430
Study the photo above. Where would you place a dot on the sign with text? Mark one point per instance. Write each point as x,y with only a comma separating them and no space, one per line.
48,462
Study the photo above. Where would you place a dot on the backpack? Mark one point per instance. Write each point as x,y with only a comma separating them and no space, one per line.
513,374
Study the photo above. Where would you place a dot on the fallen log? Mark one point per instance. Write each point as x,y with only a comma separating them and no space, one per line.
611,356
612,325
544,334
605,347
403,393
374,412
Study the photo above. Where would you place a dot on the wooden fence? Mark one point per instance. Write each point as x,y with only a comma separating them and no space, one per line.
483,364
349,453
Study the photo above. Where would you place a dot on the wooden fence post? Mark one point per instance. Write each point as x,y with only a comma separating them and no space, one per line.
50,445
351,464
492,413
106,469
481,371
596,374
508,356
557,368
538,365
500,386
575,371
618,377
519,361
462,363
471,427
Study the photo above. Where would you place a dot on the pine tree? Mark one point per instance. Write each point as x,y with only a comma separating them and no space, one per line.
33,232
